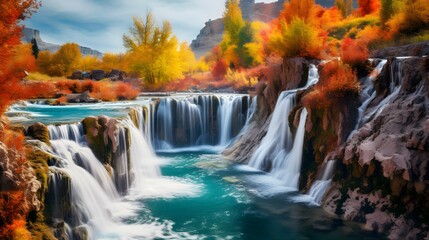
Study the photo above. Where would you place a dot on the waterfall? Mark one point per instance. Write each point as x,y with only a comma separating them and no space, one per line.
368,93
142,157
287,166
188,121
73,132
394,88
318,188
278,152
92,192
279,138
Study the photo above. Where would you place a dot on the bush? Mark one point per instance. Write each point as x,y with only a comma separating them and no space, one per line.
337,82
354,53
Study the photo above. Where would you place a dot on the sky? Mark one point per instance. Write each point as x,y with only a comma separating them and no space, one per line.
100,24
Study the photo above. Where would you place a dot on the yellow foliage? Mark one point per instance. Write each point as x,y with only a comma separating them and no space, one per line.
299,39
239,78
89,63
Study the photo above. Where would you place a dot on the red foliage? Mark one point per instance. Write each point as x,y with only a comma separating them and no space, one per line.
125,91
11,213
219,68
368,6
11,13
337,81
354,52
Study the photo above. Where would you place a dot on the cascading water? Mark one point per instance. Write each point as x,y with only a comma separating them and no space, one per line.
73,132
278,153
92,193
368,93
394,88
287,166
274,143
199,120
318,188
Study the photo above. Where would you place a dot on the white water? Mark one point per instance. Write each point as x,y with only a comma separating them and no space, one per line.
72,132
394,89
278,152
148,181
318,188
279,137
185,122
95,202
287,166
368,94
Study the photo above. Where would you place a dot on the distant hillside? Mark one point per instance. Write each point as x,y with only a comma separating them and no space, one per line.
211,34
29,34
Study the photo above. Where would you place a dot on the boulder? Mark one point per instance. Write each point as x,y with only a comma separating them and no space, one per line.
81,98
98,75
40,132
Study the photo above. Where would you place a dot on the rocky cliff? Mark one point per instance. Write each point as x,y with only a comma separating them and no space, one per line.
382,171
29,34
212,32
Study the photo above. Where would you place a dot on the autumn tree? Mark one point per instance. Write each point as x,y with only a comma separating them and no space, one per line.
12,12
368,6
302,9
66,60
44,61
345,7
111,61
298,39
153,50
233,22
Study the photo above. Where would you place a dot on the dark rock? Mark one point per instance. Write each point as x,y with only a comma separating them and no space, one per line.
81,98
98,74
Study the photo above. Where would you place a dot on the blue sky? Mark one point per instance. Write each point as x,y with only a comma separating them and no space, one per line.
100,24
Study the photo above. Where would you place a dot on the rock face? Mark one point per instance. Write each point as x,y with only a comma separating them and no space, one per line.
29,34
100,133
383,178
382,171
211,34
291,74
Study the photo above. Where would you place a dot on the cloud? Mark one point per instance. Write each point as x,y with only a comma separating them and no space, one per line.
100,24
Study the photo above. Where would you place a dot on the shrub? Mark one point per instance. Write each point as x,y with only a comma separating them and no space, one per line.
354,52
337,82
219,68
125,91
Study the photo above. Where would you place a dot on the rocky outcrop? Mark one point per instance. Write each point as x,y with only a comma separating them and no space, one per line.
39,132
418,50
291,74
383,178
101,136
81,98
28,34
211,34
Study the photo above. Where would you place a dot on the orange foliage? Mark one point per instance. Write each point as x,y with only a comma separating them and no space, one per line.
219,68
354,52
368,7
337,81
303,9
61,100
125,91
11,14
12,213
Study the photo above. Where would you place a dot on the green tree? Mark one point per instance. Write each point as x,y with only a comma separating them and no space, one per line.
233,21
153,50
34,48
